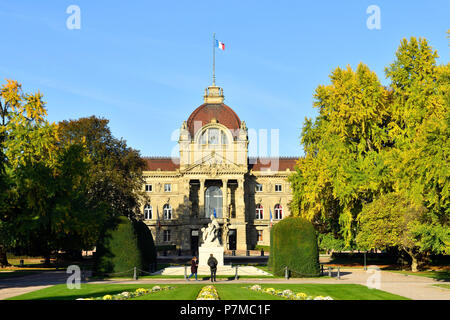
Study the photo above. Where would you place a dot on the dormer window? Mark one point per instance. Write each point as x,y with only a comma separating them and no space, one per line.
213,136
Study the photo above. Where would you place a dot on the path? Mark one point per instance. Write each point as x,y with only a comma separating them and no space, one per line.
413,287
19,285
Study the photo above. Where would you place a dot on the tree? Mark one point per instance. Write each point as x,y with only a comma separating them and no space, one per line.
25,138
342,165
328,242
369,141
45,206
115,177
420,129
393,220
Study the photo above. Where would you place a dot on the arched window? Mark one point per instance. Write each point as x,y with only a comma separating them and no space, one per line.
278,212
213,136
213,201
148,212
167,210
259,212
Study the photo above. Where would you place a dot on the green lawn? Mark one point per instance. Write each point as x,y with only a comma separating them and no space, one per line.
338,291
235,291
438,275
446,286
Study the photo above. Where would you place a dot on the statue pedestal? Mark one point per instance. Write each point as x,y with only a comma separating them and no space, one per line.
204,253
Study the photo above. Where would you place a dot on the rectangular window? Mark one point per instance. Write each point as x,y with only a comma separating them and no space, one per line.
278,188
148,188
258,187
166,235
148,212
260,235
167,187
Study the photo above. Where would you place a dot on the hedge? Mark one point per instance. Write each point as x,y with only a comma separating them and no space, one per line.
118,250
146,244
293,244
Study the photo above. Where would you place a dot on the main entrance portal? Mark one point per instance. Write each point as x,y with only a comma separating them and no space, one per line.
213,201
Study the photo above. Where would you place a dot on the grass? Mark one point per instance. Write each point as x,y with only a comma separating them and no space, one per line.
338,291
437,275
190,291
446,286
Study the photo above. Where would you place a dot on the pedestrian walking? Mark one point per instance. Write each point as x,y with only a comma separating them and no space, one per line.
194,268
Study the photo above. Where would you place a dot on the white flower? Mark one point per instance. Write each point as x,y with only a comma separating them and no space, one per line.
287,292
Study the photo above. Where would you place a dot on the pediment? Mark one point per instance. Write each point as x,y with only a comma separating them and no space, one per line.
213,162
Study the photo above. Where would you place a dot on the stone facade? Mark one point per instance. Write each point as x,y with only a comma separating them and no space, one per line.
214,174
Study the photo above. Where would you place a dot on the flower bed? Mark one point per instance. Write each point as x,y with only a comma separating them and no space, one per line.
129,295
288,294
208,293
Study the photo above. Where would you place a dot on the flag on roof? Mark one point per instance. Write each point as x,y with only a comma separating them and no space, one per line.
220,45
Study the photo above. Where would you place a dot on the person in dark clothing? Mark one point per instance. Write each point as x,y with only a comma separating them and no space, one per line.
194,267
212,263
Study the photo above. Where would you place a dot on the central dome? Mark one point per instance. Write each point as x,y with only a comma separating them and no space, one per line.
213,110
205,114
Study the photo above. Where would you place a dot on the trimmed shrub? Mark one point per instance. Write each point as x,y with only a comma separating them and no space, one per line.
145,243
118,250
293,243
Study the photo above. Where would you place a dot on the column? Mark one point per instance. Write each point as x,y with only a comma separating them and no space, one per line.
241,224
225,213
224,198
201,199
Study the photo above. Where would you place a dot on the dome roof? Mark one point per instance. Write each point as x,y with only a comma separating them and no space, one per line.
204,114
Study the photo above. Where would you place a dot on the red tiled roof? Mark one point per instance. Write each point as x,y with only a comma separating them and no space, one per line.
206,112
255,164
161,163
275,164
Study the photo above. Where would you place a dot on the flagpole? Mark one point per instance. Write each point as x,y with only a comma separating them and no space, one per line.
214,59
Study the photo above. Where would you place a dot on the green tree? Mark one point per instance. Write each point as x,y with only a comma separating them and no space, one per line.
25,138
342,166
328,242
45,206
115,177
392,220
369,141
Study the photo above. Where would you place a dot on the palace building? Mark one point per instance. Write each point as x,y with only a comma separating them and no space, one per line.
213,175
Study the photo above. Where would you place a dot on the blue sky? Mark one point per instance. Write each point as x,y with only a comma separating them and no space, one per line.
144,64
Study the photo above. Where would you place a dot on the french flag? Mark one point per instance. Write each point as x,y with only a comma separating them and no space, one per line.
271,219
220,45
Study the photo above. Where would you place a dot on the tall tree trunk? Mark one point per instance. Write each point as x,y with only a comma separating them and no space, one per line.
414,264
3,257
414,260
